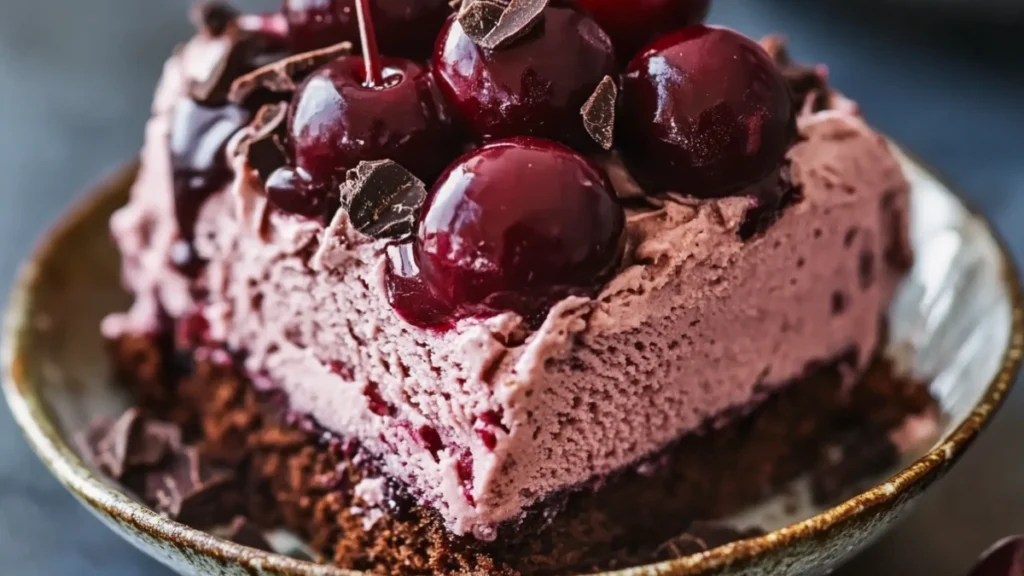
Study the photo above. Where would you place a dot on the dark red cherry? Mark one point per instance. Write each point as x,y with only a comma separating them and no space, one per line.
517,225
704,111
292,190
535,87
336,121
1005,558
405,28
632,24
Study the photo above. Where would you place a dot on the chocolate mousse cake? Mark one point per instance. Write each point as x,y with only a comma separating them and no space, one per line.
506,287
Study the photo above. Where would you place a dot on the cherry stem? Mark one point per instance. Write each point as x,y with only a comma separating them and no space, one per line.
371,53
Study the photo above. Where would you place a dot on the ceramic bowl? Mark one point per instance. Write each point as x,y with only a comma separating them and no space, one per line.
957,322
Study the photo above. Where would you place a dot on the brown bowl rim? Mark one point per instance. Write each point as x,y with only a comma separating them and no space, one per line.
35,422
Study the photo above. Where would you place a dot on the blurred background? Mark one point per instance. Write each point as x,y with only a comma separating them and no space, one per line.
944,77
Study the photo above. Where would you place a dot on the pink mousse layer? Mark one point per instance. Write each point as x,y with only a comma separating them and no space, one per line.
696,325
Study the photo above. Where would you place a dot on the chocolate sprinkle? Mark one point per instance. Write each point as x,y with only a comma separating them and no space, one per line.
284,75
599,113
382,199
491,29
212,18
243,531
263,146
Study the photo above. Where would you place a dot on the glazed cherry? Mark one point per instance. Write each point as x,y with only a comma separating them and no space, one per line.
292,190
704,111
633,24
515,225
364,108
337,121
534,87
406,28
1006,558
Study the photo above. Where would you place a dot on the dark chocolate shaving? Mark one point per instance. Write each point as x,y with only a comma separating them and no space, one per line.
284,75
599,113
113,455
382,199
519,17
213,88
117,447
149,457
493,24
479,17
212,18
245,532
263,147
188,489
809,85
237,52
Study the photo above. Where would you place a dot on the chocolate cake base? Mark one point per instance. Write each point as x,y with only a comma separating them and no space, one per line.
289,473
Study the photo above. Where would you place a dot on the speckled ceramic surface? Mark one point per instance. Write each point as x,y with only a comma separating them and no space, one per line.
957,321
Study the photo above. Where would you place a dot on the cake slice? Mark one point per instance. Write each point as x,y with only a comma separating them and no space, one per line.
516,275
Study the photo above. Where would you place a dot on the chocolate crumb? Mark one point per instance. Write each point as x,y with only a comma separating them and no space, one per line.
284,75
599,113
212,18
245,532
493,24
382,199
263,146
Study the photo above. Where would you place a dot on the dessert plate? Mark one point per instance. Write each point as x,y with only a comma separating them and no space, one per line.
957,322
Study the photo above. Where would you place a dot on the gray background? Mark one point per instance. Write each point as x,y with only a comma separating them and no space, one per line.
76,78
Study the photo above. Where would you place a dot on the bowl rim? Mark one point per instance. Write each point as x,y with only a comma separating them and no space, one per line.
36,424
